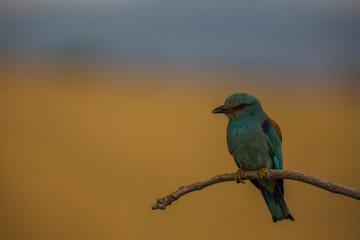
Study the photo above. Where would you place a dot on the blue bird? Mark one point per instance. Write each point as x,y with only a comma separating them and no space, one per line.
254,140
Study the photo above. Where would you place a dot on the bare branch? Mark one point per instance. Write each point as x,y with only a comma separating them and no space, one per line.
163,202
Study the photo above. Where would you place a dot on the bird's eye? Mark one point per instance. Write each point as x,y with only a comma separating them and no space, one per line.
241,106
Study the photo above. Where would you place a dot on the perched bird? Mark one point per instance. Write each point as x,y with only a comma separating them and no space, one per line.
254,140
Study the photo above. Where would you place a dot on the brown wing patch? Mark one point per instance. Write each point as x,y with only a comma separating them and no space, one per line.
276,126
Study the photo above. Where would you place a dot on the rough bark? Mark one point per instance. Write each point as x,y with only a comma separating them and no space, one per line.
163,202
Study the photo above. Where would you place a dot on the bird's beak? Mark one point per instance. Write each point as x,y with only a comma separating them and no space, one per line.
222,109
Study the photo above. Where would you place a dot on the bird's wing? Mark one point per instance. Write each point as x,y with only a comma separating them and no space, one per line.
274,138
276,126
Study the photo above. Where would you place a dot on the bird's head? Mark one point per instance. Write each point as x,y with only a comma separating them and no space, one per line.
241,105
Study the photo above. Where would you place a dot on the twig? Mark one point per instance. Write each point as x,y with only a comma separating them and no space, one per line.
163,202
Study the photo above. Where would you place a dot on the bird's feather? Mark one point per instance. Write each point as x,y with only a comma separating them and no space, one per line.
274,141
273,136
276,126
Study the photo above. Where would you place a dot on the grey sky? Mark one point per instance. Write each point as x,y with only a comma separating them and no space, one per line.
285,33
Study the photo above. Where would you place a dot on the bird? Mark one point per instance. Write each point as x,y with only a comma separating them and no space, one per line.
255,142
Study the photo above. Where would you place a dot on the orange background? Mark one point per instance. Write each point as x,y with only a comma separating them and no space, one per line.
84,159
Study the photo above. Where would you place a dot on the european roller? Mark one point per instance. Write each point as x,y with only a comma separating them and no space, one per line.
254,140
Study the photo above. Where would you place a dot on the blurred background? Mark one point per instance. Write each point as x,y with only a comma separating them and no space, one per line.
106,106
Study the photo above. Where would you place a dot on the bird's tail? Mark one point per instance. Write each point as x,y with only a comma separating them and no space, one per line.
276,204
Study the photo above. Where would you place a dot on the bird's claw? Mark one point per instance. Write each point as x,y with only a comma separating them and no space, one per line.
262,172
239,175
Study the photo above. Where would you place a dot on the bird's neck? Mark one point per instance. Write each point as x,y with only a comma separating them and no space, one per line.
247,122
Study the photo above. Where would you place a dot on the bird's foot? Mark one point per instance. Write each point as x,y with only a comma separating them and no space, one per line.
239,175
262,172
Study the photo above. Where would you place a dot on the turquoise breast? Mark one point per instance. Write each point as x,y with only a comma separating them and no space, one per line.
248,145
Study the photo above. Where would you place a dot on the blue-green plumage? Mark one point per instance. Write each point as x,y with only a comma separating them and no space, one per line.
254,140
